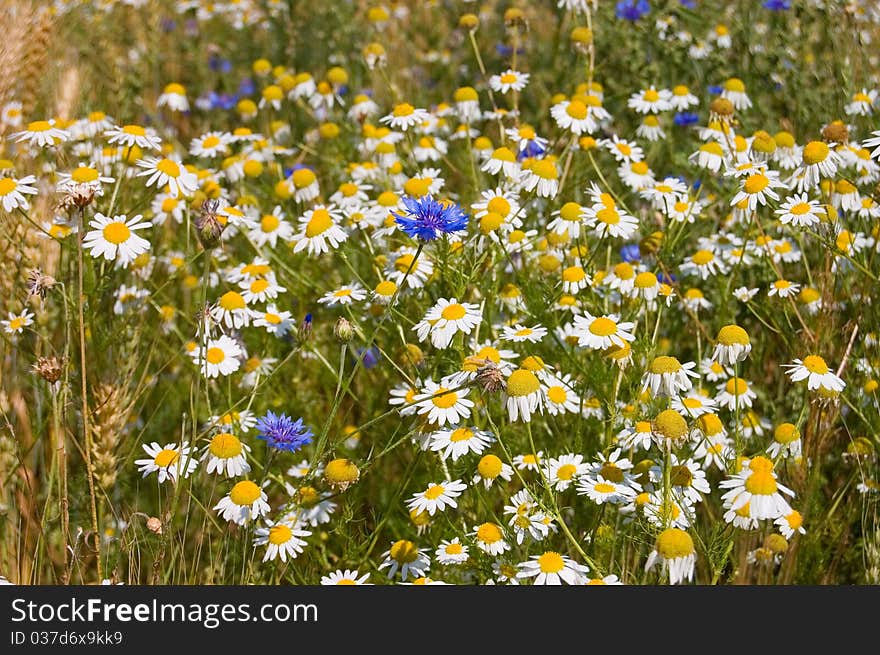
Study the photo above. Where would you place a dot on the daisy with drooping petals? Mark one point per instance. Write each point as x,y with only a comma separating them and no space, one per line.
790,524
226,454
735,392
666,376
551,568
169,462
733,345
318,227
757,486
246,501
282,540
114,238
819,161
232,311
406,557
490,538
174,97
815,371
165,171
489,469
524,395
674,550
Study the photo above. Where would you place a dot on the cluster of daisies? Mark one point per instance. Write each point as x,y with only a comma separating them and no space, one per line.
253,219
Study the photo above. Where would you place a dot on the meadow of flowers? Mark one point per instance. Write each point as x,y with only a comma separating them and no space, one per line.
439,292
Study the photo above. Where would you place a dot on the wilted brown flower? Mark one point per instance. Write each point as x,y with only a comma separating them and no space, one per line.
49,368
38,283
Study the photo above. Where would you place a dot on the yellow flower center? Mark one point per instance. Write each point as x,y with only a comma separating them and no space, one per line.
404,551
444,399
545,169
232,300
279,534
169,167
39,126
166,457
489,467
566,471
815,364
269,223
215,355
557,394
434,492
84,174
403,109
815,152
702,257
786,433
489,533
508,78
522,382
733,334
576,109
651,95
664,364
319,223
755,183
608,215
736,386
116,232
604,488
673,543
245,493
761,483
225,446
453,312
7,185
603,327
551,562
670,424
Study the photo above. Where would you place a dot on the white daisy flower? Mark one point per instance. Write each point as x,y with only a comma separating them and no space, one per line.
169,462
246,501
114,238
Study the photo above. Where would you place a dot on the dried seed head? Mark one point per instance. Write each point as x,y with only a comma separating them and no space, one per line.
38,283
721,109
49,368
490,378
835,132
79,195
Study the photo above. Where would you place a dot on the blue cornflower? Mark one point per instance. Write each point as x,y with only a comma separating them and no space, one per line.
632,9
777,5
688,4
370,356
246,87
630,253
531,150
685,118
281,432
426,219
715,89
